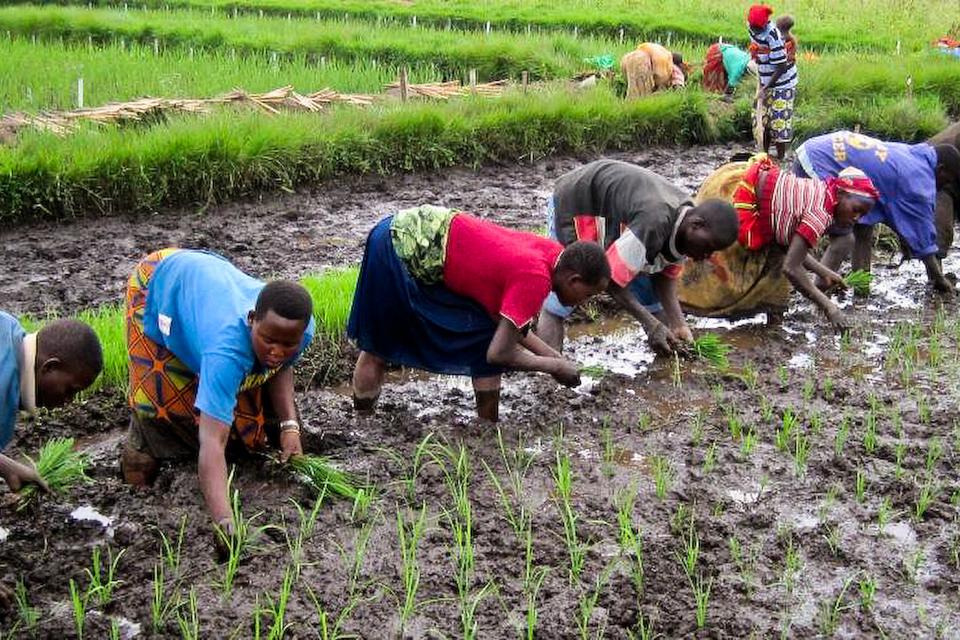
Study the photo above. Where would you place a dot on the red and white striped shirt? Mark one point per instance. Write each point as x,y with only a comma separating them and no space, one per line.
800,205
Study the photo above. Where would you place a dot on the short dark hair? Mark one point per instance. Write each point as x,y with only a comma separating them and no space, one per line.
587,259
720,218
948,157
286,298
785,23
677,58
74,343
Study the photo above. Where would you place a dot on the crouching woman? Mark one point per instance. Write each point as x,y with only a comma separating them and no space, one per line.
446,292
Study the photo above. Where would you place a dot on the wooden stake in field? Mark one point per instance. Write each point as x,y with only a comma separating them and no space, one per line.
403,84
80,93
473,79
525,80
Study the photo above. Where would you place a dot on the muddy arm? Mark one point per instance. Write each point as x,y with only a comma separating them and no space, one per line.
794,269
534,343
666,289
505,350
829,277
212,467
661,339
280,391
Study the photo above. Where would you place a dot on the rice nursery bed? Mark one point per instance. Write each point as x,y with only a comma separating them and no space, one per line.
810,490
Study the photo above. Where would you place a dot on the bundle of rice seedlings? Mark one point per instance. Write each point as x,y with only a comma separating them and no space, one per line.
60,467
318,472
859,281
593,371
711,348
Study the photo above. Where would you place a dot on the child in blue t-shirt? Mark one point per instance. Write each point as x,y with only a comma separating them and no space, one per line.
211,351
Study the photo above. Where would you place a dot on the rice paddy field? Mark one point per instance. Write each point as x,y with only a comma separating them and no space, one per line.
783,481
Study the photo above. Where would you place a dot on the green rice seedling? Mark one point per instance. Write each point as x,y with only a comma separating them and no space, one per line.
785,432
78,599
644,422
682,518
629,536
766,410
832,537
900,452
588,603
516,464
532,590
927,495
709,458
277,608
468,613
114,629
421,454
912,564
160,606
189,622
827,388
28,615
608,453
169,551
329,627
60,467
809,389
859,281
870,440
746,562
801,451
750,376
563,483
662,476
361,504
594,371
318,472
816,422
691,551
791,565
860,485
840,438
409,536
884,513
934,453
783,375
934,352
718,393
101,585
644,628
831,610
734,423
239,541
868,592
711,348
697,426
675,374
923,407
701,595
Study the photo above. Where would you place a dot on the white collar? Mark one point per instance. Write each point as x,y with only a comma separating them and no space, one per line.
672,245
28,374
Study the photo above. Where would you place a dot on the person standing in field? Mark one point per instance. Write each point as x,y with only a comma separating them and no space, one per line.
443,291
211,353
43,369
777,208
652,67
918,185
778,79
648,228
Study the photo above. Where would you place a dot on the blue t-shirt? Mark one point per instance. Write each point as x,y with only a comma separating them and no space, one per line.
197,306
904,174
11,359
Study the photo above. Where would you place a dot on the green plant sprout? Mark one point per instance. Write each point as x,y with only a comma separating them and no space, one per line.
278,608
734,423
61,468
563,483
691,551
827,388
709,458
595,371
239,541
783,375
102,586
361,504
927,495
746,562
900,453
870,440
662,476
859,281
681,519
319,473
884,513
791,566
701,595
608,452
766,410
912,565
644,628
329,628
934,453
409,536
801,451
868,592
160,606
840,438
831,610
171,552
588,603
79,601
860,486
809,389
532,590
516,464
697,427
832,537
114,629
28,615
189,623
785,432
711,348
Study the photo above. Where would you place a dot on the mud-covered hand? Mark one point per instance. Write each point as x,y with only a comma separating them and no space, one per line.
831,280
662,340
18,475
223,534
567,373
290,445
839,320
683,334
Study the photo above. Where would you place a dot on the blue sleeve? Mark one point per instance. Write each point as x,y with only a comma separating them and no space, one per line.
913,219
220,380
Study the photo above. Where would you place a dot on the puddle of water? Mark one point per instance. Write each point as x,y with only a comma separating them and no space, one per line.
720,323
89,514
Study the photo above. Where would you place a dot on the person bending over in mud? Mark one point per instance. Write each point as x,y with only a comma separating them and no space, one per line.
648,227
918,185
211,353
651,67
777,208
444,291
43,369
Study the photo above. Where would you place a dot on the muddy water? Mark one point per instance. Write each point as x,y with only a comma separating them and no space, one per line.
79,263
616,430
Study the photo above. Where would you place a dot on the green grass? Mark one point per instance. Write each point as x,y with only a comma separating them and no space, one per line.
60,467
451,53
43,76
323,476
859,281
876,23
331,291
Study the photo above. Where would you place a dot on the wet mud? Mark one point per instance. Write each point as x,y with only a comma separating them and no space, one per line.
787,547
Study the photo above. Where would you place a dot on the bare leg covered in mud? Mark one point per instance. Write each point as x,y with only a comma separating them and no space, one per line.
487,392
367,380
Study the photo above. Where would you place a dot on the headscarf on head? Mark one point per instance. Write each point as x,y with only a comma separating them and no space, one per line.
759,15
855,182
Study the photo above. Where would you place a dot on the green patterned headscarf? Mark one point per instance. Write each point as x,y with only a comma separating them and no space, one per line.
420,240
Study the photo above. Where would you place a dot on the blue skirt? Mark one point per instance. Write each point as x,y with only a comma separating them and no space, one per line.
406,322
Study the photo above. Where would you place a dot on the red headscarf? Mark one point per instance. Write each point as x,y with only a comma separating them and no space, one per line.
759,15
855,182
